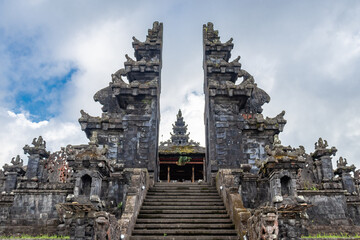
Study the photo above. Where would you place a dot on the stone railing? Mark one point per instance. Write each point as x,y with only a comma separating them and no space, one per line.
138,180
228,186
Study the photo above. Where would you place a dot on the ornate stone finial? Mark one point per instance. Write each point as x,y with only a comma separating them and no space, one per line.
230,41
135,39
322,149
179,115
18,162
210,34
341,162
277,141
84,115
155,33
39,142
39,147
236,60
321,144
129,59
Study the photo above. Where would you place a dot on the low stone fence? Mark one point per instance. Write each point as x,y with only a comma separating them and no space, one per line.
331,238
226,186
138,180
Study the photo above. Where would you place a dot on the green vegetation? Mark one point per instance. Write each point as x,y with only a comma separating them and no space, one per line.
341,236
36,237
183,160
309,186
119,206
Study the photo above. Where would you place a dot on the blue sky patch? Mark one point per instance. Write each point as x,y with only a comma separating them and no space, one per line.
43,101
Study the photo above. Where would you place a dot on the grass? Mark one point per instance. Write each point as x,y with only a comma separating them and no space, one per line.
36,237
342,235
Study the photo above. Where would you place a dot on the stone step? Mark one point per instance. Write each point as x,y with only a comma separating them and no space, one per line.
185,232
184,220
184,238
182,215
179,207
182,211
182,188
177,199
172,184
192,191
185,226
178,193
182,203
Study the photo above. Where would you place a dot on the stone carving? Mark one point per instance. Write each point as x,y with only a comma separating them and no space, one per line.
155,33
84,114
57,167
258,98
264,224
39,147
341,162
277,141
211,34
17,161
357,174
129,59
320,144
321,149
39,142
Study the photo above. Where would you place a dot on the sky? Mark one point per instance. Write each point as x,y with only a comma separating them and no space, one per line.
55,55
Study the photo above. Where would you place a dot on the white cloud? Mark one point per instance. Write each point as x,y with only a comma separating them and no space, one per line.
304,55
193,112
17,130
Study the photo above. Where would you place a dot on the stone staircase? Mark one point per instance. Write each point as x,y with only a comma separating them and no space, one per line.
183,211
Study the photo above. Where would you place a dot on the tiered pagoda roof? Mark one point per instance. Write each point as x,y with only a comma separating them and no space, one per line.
180,141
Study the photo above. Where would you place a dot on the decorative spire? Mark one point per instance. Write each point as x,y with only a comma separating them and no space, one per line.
179,135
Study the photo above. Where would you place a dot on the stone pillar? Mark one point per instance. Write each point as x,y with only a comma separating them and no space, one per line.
96,186
322,158
36,152
33,165
11,181
12,172
326,168
275,189
344,171
348,182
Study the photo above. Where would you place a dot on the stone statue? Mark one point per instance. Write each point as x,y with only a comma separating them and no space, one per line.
277,141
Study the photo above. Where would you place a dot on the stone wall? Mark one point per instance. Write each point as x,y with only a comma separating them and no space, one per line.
328,206
33,209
